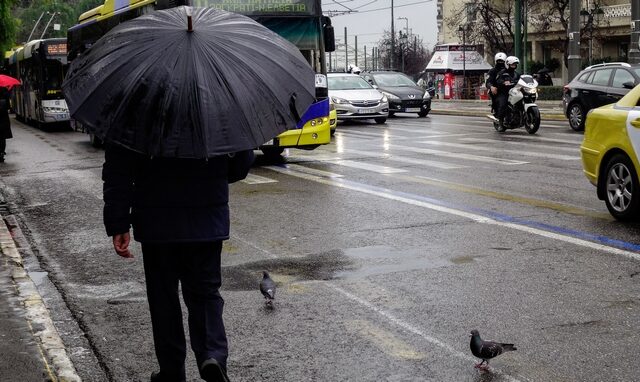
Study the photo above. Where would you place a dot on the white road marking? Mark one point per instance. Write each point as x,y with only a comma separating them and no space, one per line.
413,330
575,149
368,166
397,158
477,158
257,179
313,171
494,149
536,138
464,214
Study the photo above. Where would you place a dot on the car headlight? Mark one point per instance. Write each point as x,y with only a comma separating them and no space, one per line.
426,95
384,99
339,100
531,90
391,96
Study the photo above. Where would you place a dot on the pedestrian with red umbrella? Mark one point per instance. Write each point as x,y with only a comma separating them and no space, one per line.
5,122
181,100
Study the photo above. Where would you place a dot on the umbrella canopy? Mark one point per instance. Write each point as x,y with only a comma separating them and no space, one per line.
156,87
8,81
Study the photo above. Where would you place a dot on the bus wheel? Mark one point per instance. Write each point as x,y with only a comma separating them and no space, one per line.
272,152
95,141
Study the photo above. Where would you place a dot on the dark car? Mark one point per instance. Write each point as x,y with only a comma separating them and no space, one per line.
404,95
596,86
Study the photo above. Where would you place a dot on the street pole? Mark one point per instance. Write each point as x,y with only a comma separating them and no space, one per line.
356,52
634,49
573,57
524,33
393,38
464,61
518,31
346,52
330,62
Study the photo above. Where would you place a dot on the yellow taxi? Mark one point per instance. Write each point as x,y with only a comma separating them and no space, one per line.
609,154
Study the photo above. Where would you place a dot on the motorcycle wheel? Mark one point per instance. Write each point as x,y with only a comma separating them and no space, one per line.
498,127
532,120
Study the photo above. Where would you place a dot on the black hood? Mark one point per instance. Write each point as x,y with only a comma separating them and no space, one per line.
404,91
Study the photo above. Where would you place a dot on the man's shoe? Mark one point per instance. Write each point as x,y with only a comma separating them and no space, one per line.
156,376
212,371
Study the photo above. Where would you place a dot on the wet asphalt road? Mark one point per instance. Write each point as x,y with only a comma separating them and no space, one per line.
389,245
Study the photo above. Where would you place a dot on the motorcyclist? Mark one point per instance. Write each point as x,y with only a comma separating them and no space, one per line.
499,59
506,79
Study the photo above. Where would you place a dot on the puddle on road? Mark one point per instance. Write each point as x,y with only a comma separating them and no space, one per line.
320,266
352,263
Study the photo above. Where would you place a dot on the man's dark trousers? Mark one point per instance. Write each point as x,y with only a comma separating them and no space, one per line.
196,266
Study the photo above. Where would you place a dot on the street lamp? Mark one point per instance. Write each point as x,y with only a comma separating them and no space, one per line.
463,29
591,18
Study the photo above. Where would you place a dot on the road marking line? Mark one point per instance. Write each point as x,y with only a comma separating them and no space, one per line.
412,329
257,179
477,158
494,149
367,166
575,149
313,171
545,230
497,195
383,340
388,156
536,138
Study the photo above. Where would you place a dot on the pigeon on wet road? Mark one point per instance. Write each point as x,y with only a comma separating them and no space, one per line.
268,289
486,350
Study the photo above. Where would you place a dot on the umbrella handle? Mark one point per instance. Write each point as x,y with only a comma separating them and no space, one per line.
189,22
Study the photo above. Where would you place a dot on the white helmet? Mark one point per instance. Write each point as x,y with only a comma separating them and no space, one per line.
512,60
356,70
500,57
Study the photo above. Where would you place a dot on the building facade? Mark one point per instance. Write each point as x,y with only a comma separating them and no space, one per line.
605,32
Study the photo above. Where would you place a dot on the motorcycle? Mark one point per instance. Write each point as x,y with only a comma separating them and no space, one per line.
522,110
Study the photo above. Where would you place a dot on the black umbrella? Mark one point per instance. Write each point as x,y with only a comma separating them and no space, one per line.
156,86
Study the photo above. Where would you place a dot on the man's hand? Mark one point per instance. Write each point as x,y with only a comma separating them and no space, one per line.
494,90
121,244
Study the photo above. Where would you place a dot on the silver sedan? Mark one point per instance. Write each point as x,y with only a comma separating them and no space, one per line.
355,98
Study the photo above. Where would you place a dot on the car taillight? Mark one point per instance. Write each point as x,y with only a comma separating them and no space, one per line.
566,89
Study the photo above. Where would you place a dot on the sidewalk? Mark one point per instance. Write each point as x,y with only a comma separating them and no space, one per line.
30,346
549,110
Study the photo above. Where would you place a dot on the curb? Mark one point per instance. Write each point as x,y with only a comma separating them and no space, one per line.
53,351
543,116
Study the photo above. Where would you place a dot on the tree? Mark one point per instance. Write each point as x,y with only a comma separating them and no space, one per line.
7,26
64,13
416,57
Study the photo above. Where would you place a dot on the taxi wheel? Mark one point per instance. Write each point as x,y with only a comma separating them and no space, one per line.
576,117
380,120
622,192
423,114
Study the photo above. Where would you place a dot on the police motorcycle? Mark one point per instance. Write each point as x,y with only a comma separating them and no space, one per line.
521,109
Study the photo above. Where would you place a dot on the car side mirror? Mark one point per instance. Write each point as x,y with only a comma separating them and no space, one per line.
374,86
628,85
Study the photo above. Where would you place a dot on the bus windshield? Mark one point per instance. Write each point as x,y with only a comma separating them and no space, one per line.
53,74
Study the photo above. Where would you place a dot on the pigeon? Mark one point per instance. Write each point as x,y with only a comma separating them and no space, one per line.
486,350
268,289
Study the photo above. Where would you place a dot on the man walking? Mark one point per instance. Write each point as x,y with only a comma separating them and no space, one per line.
179,211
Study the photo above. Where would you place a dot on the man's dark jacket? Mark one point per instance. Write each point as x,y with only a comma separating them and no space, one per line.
491,76
506,75
168,199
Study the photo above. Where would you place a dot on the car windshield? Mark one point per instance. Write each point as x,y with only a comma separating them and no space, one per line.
347,83
637,71
393,79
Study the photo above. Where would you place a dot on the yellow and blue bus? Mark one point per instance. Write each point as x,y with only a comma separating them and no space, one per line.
299,21
40,65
